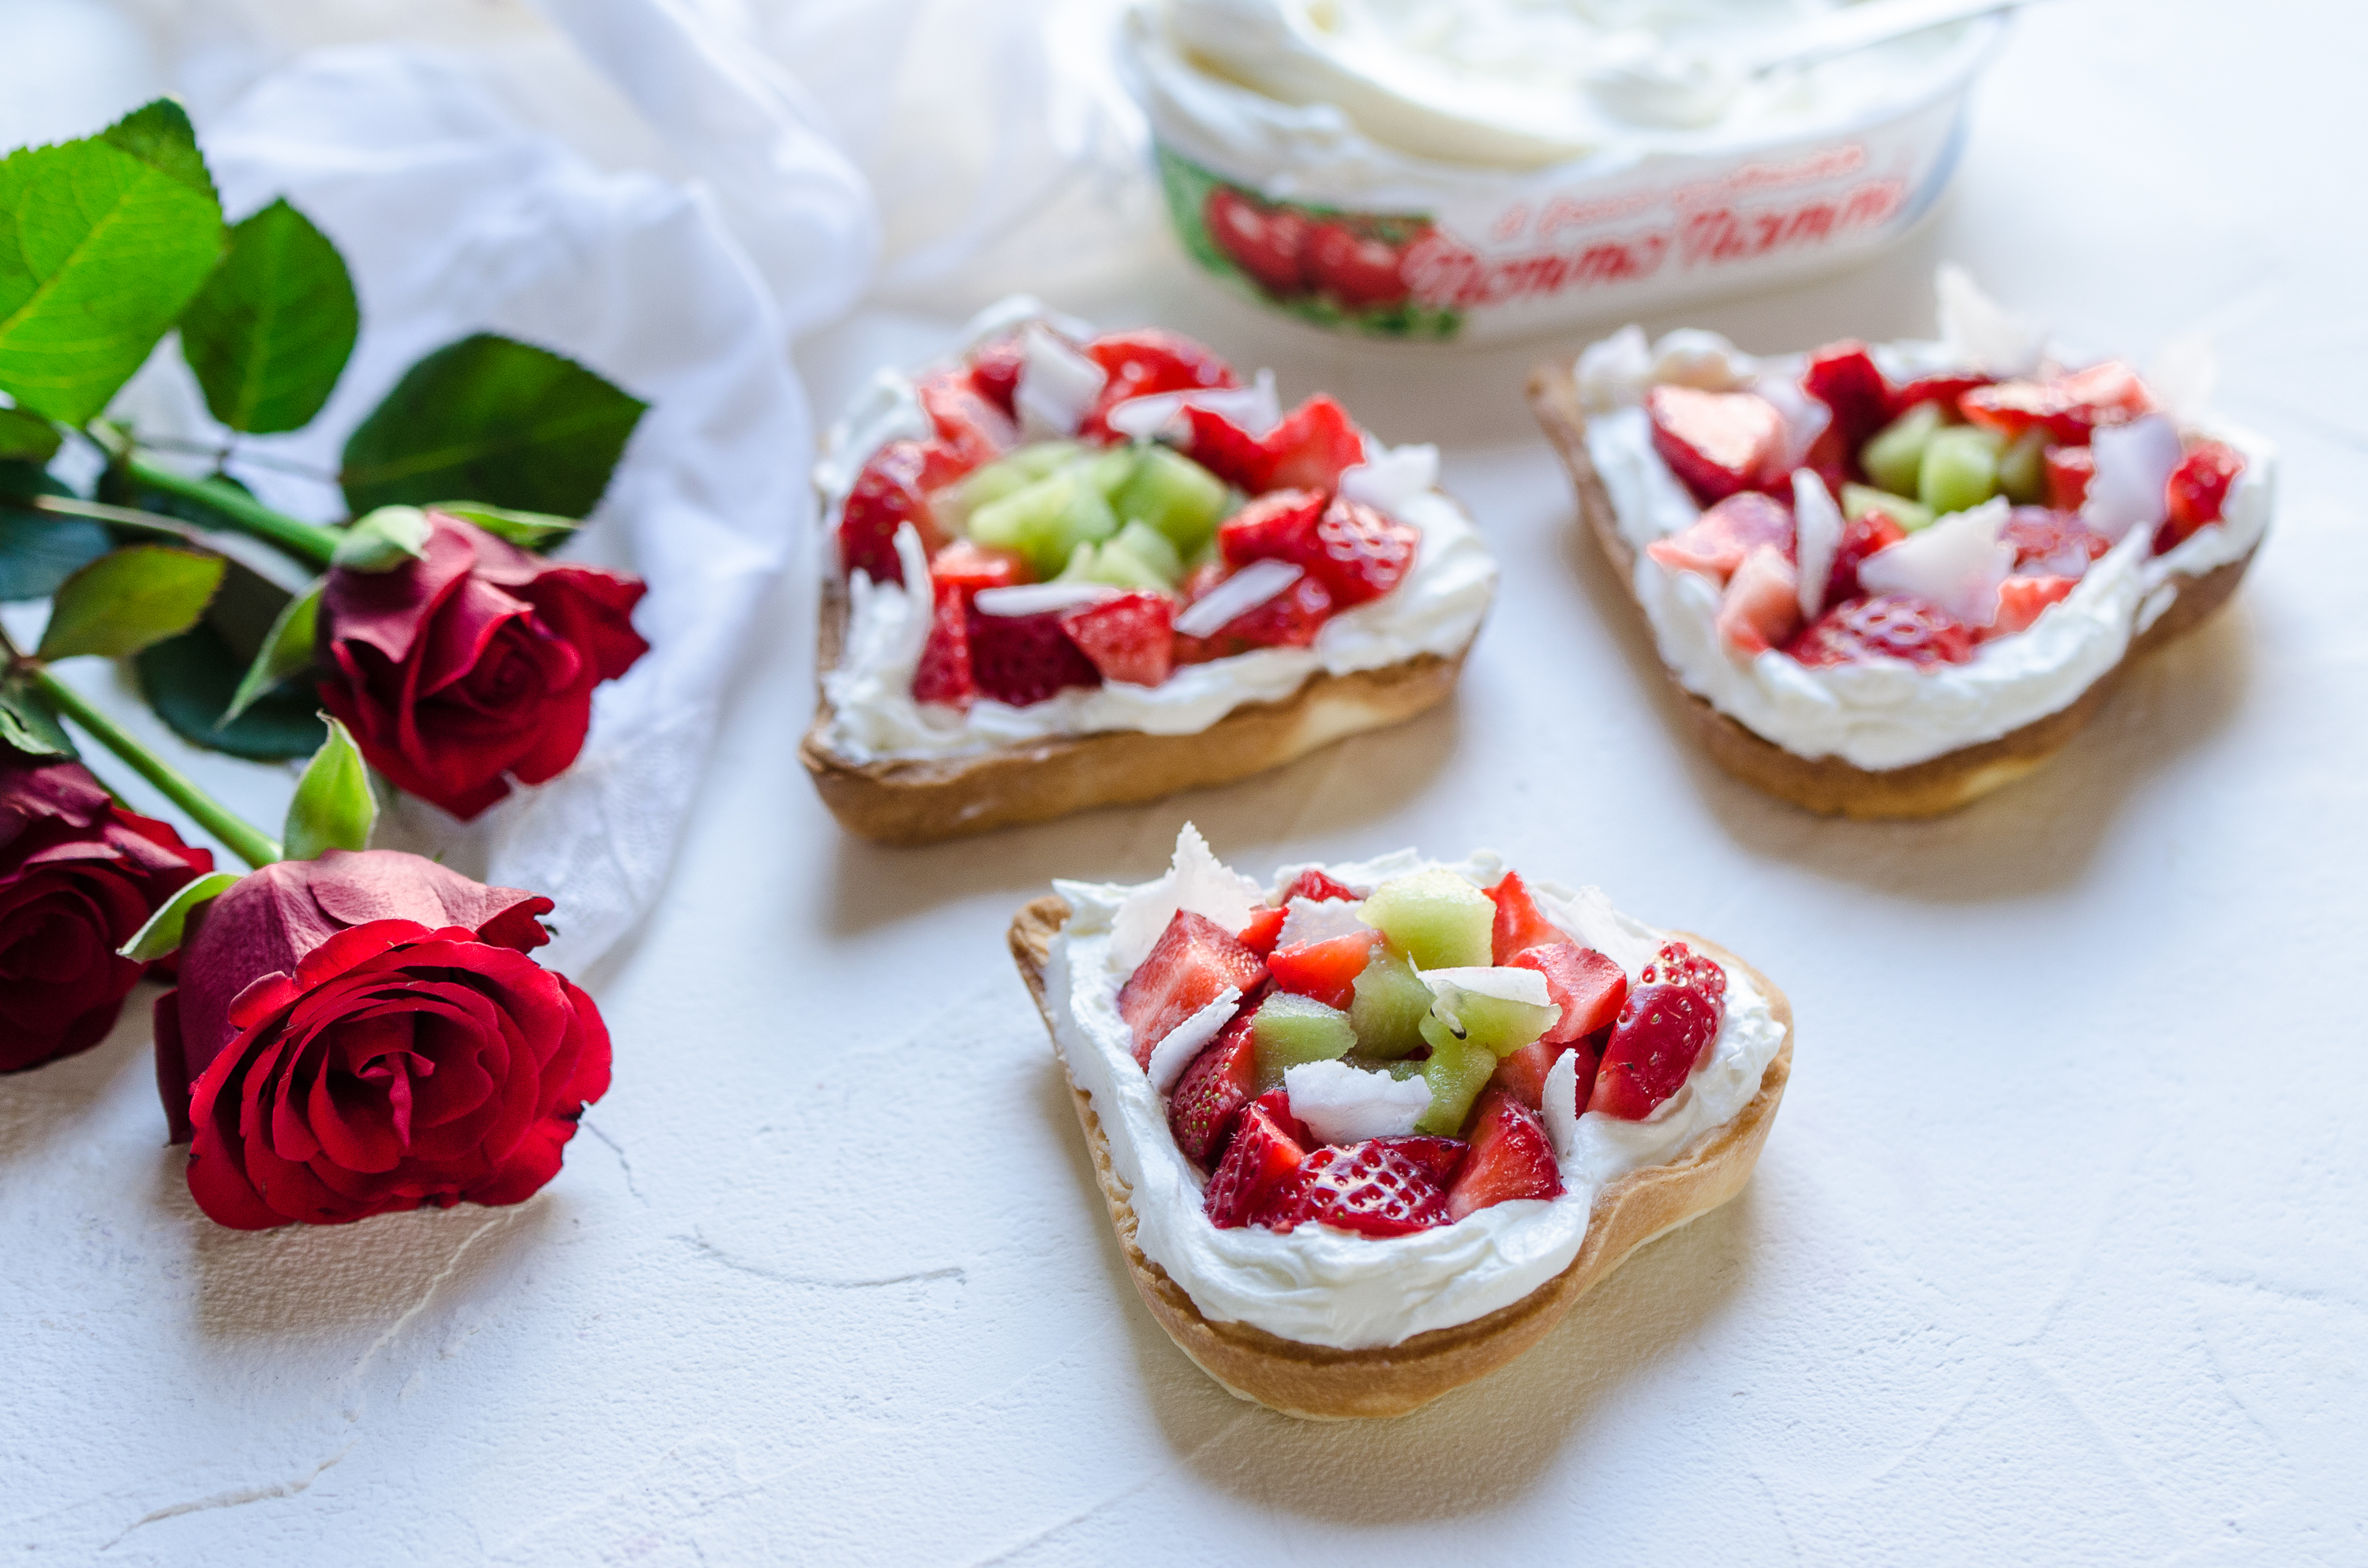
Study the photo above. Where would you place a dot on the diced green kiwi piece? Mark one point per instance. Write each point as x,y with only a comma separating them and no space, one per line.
1112,563
1960,469
1456,1071
1390,1006
1894,456
1046,521
1501,1026
1435,917
2022,468
1288,1030
1152,548
1108,470
1858,500
1175,496
1005,476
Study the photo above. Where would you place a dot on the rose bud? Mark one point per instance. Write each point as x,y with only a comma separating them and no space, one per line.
79,876
364,1033
473,664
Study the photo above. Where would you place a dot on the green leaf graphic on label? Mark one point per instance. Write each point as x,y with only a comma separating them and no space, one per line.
190,680
272,329
334,808
514,426
102,243
122,602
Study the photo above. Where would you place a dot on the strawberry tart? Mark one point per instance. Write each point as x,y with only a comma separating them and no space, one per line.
1069,569
1366,1135
1891,579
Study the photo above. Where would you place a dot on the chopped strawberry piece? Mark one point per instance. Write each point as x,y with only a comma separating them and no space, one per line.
1324,971
962,564
1361,272
1269,244
1226,450
1439,1156
2069,408
1315,886
1371,1187
973,429
1265,927
1587,985
1130,639
1312,447
1190,966
2198,492
892,490
1360,554
944,673
1761,607
1510,1158
1945,389
1276,526
1200,1112
1021,659
1862,537
1290,619
1844,377
1886,625
2069,470
1717,443
1830,458
1668,1021
2051,543
2020,599
995,373
1522,1075
1137,364
1519,923
1715,543
1266,1147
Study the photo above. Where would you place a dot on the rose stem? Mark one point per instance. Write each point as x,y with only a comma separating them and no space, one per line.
309,541
245,842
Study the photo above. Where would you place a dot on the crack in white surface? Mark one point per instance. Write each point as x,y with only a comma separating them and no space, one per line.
235,1497
738,1265
624,1162
1120,1496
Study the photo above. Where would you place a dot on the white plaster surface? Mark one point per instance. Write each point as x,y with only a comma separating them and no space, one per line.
2059,1253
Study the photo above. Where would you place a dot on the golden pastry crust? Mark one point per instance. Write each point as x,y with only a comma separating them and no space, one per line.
1320,1383
1829,784
926,800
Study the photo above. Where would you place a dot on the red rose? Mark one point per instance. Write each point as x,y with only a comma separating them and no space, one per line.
364,1033
79,875
475,665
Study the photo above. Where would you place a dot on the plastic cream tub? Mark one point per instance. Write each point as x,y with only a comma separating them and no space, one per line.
1403,168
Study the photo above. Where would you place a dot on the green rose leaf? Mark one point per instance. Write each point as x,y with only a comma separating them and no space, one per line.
38,552
189,681
102,243
384,539
27,436
271,331
528,531
27,725
128,600
488,417
334,808
287,650
164,929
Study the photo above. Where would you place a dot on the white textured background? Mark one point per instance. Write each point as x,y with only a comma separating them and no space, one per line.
2055,1256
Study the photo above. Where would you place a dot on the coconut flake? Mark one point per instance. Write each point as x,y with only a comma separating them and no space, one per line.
1981,332
1451,986
1320,920
1342,1104
1179,1045
1254,409
1057,384
1236,597
1558,1103
1957,564
1805,417
1614,373
2133,467
1034,598
1817,537
1388,481
1195,879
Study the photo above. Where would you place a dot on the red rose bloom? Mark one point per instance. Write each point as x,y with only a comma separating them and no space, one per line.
364,1033
79,876
475,665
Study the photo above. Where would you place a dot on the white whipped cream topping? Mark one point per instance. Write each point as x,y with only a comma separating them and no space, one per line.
1884,712
1436,610
1321,1286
